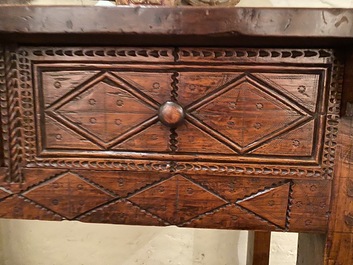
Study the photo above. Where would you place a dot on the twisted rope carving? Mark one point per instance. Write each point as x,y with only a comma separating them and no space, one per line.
175,82
14,126
289,206
173,140
4,108
27,105
173,137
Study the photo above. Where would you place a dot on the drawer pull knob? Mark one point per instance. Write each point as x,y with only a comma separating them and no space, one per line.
171,114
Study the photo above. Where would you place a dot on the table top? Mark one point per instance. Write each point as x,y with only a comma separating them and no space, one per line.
177,25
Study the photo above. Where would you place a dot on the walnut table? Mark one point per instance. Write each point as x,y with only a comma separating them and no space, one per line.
223,118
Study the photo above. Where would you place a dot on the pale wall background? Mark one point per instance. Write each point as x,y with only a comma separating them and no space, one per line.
74,243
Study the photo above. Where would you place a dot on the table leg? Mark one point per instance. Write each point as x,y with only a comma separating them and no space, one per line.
311,249
339,244
258,248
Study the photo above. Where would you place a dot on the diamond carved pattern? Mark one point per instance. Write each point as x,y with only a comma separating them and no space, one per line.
177,200
106,110
4,193
68,195
121,212
235,114
232,217
232,116
242,107
270,204
193,200
17,207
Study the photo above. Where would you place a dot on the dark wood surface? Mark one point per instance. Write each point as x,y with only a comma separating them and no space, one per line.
203,26
340,239
277,22
258,248
339,244
223,138
87,135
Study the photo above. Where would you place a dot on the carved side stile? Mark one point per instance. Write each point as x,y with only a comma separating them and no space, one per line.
11,117
333,116
3,102
27,105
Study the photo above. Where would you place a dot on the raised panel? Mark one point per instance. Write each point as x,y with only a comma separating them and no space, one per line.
248,113
264,114
270,109
104,111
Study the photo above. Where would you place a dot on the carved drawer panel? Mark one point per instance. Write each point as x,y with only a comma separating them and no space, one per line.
218,138
240,110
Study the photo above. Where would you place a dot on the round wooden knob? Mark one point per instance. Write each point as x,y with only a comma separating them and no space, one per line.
171,114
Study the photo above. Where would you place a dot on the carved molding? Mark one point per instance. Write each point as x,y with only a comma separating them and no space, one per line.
248,170
121,54
333,111
27,104
289,207
11,117
224,55
99,164
3,106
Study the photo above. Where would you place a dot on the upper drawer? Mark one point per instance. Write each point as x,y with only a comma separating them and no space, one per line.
239,106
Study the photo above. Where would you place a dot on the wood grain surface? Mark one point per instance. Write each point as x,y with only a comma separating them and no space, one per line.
86,136
259,138
182,26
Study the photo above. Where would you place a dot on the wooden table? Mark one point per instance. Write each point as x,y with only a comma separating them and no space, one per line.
224,118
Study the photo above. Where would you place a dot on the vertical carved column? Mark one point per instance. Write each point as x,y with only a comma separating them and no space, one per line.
339,243
173,137
4,116
27,105
3,102
11,126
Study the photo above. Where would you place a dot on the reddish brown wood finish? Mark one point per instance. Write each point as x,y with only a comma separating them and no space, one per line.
84,135
339,244
258,248
129,25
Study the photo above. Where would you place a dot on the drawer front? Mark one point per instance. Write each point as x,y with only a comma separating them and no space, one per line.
238,106
244,113
187,135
